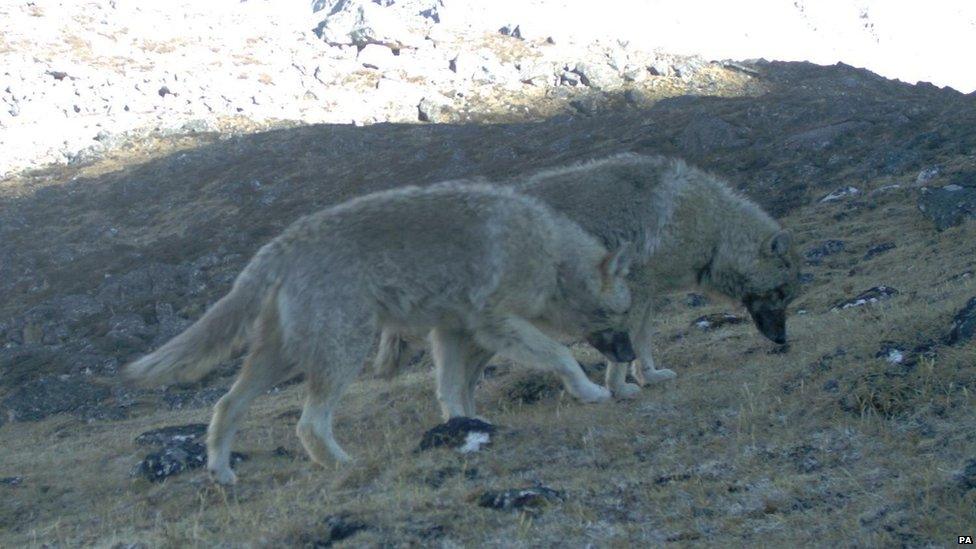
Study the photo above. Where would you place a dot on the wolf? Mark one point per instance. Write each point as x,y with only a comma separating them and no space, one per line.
688,228
474,264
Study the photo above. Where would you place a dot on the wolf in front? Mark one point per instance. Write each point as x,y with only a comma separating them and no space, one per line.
688,228
477,265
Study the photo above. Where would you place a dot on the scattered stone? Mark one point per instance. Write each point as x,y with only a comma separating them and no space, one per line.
532,499
339,527
947,206
375,56
598,76
891,352
173,435
882,248
966,477
11,481
927,174
513,31
840,193
869,296
695,300
464,434
717,320
963,324
176,458
435,108
816,254
281,451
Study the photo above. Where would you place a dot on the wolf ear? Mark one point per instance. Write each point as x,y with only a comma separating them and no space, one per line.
617,262
779,244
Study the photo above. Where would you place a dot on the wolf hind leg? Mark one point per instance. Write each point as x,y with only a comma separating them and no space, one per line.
327,380
263,367
520,341
459,362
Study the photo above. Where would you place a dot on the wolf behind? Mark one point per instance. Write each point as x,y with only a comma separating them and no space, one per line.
470,263
688,228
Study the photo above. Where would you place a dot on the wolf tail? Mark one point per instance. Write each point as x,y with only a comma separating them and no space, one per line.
220,332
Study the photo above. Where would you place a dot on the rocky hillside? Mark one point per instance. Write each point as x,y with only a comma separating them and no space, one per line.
860,433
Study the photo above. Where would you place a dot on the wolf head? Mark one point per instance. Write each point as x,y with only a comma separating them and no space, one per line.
765,277
595,293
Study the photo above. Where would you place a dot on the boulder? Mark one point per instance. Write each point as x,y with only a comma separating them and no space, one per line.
464,434
963,324
947,206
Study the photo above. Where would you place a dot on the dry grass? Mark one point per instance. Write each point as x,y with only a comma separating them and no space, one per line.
810,447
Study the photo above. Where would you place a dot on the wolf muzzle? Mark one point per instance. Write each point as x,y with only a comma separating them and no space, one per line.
612,344
770,323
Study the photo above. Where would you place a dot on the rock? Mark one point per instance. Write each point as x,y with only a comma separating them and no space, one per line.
927,174
717,320
194,398
891,352
11,481
435,108
51,395
963,324
687,67
360,22
660,66
483,67
695,300
831,386
461,433
816,254
531,499
869,296
511,30
338,527
537,73
879,249
840,193
173,435
947,206
966,477
375,56
598,76
176,458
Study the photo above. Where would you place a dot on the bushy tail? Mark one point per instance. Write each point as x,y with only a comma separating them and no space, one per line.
211,339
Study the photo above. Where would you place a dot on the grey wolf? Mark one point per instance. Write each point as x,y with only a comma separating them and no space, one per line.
475,265
688,227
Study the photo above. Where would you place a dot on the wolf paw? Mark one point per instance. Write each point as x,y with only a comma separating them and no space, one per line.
223,476
657,376
626,391
593,393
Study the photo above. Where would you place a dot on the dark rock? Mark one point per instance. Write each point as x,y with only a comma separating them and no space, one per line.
816,254
966,477
531,499
874,251
947,206
963,324
695,300
462,433
717,320
50,395
11,481
173,435
176,458
869,296
281,451
340,527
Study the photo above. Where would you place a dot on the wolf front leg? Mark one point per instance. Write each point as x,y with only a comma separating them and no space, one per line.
520,341
644,370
